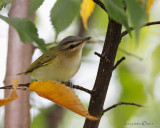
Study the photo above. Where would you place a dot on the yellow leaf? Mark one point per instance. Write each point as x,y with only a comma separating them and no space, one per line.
62,95
87,8
13,95
15,83
149,4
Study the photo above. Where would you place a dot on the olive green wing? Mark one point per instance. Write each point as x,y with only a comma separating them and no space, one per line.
41,61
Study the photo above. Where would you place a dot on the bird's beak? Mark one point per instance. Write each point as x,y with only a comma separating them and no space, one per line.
86,39
83,41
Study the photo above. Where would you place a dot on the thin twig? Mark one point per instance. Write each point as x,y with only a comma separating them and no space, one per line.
99,55
20,85
118,62
130,54
102,56
24,86
82,89
100,4
69,84
147,24
121,103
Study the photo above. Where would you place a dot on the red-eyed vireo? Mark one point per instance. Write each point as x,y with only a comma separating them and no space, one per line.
64,62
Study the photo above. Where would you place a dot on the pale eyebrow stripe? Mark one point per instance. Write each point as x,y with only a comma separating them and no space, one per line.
68,42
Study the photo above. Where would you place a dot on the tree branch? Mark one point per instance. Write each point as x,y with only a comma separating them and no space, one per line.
121,103
69,84
100,4
103,57
112,40
82,89
19,56
99,55
118,62
19,86
147,24
24,86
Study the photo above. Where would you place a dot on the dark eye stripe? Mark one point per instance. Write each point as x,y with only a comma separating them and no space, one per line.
77,44
73,46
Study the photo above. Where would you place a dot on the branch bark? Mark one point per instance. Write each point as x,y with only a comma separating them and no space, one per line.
26,86
113,38
121,103
19,58
100,4
118,62
147,24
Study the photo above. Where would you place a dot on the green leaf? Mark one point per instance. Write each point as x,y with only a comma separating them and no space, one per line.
156,61
34,5
116,11
133,92
100,24
137,14
3,3
26,30
63,13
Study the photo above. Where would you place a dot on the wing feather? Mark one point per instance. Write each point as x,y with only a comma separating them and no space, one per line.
42,61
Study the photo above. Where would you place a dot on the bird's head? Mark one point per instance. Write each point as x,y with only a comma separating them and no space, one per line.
72,44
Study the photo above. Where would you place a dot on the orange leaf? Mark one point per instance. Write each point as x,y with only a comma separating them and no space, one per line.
13,95
62,95
149,4
87,8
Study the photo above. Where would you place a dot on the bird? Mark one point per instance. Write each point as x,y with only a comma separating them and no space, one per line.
62,65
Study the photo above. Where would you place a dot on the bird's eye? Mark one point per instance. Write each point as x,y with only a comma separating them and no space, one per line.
71,46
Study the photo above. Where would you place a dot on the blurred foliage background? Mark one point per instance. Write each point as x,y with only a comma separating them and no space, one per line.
135,80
